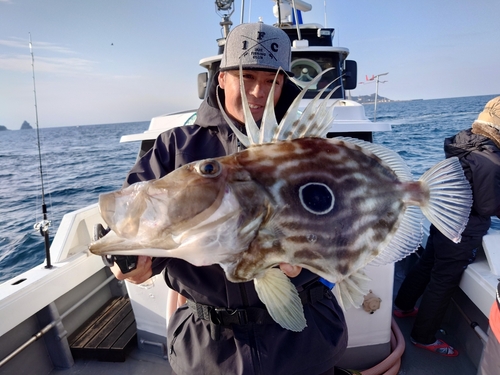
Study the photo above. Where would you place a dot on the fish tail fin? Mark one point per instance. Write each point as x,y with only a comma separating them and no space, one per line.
450,198
353,289
281,298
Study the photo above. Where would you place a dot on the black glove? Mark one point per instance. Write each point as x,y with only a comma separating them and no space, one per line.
126,263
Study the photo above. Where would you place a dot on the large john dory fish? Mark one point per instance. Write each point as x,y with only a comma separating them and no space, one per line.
329,205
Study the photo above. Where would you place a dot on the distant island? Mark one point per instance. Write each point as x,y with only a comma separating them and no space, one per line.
370,99
26,125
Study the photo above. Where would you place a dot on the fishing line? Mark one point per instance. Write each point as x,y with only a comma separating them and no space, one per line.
43,225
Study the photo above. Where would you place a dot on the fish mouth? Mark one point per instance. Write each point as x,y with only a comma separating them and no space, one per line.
110,243
210,230
147,214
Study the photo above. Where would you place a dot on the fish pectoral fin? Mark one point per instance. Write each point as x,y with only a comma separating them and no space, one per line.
353,289
282,300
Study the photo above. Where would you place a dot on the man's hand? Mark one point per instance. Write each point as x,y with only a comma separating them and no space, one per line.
143,270
141,273
289,270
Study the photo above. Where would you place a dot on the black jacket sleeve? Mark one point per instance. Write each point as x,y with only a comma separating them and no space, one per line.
485,169
156,163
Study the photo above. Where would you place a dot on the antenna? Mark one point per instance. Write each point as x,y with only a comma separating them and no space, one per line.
42,226
324,3
376,95
376,79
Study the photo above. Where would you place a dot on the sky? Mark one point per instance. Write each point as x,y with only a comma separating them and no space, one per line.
113,61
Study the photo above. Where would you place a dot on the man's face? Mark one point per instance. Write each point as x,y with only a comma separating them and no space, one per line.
258,84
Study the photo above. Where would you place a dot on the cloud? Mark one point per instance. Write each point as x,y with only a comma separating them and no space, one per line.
64,62
61,65
20,43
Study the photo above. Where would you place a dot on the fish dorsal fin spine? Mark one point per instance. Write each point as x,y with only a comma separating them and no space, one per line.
269,124
250,124
314,121
314,117
325,117
245,141
290,121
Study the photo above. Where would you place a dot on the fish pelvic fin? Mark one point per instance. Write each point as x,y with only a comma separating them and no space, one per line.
281,298
450,198
353,289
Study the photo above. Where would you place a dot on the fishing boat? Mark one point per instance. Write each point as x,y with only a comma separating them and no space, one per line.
71,316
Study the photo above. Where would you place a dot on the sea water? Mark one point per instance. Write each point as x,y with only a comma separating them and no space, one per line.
81,162
78,164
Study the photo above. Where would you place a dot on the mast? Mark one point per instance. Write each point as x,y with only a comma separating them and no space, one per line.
41,226
225,6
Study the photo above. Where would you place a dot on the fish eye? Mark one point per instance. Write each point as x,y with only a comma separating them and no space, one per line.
316,198
209,168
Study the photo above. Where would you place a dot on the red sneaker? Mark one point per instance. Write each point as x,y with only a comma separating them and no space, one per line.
405,313
439,347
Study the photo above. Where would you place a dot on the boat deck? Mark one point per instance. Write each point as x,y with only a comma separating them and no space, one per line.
415,361
137,363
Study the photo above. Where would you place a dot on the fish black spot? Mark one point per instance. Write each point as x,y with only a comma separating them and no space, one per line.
316,198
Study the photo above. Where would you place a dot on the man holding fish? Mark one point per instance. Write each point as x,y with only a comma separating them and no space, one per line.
290,198
224,328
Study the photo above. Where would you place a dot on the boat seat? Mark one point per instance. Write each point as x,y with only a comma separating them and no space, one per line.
108,335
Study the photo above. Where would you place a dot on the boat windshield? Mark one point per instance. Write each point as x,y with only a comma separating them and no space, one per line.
306,68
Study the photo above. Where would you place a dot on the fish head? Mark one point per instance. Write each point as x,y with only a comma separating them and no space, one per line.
164,204
204,212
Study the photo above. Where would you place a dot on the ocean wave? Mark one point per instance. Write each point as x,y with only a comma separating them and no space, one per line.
79,163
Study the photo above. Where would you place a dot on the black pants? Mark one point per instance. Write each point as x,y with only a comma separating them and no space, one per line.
435,277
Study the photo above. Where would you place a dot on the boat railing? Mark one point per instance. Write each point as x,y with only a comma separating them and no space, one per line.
27,293
75,232
55,322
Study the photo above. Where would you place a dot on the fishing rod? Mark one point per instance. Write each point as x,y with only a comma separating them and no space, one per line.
41,226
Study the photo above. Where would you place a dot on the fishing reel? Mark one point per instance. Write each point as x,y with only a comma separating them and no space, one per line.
42,226
126,263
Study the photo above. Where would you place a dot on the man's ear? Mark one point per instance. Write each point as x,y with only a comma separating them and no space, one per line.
222,79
